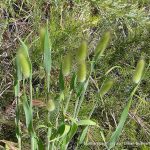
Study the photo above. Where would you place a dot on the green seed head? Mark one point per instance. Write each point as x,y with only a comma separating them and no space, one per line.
42,38
82,52
66,67
106,87
81,72
24,63
102,45
50,105
138,71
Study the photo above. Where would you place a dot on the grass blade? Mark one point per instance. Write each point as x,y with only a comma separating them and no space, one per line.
28,113
124,115
86,123
47,52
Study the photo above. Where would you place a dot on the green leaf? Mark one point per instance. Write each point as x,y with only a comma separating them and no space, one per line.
86,123
40,144
73,82
119,128
28,113
62,132
47,52
18,70
83,135
72,132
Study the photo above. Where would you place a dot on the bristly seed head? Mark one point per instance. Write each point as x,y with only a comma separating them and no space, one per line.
81,74
82,52
102,44
24,63
50,105
42,38
139,71
66,65
106,87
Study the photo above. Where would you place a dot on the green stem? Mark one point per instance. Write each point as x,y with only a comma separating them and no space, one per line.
18,114
32,132
81,98
67,103
48,114
84,90
92,110
75,109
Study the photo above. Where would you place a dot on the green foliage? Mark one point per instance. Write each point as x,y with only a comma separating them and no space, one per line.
81,115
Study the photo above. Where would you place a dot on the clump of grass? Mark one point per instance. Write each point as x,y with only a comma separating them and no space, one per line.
63,129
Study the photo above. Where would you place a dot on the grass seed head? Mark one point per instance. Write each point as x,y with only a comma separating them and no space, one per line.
23,60
50,105
42,38
103,43
106,87
81,74
66,67
138,71
82,52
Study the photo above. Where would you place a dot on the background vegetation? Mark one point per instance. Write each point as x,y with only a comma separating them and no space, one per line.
70,22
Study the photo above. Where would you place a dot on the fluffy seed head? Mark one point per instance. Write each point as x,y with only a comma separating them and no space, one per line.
66,67
50,105
138,71
42,37
81,74
82,52
104,41
24,63
106,87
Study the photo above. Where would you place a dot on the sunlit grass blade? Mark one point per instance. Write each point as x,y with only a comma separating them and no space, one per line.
28,113
61,133
124,115
120,126
86,123
72,132
47,52
47,66
83,135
